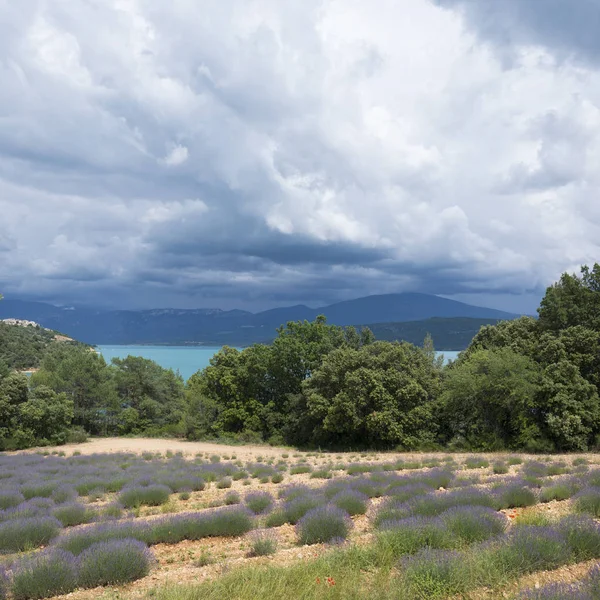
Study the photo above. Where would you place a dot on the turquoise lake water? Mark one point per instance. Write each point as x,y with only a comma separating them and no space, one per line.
186,359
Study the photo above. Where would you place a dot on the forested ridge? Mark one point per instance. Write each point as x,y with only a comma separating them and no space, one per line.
528,384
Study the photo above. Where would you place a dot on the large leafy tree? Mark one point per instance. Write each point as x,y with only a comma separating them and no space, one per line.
381,395
489,399
82,375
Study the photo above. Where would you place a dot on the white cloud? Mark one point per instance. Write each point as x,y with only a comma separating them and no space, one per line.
309,129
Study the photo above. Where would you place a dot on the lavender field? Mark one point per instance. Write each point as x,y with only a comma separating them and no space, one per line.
299,524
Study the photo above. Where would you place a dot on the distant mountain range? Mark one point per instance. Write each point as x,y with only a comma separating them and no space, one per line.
238,327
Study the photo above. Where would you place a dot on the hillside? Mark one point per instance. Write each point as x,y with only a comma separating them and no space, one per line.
235,327
448,334
22,348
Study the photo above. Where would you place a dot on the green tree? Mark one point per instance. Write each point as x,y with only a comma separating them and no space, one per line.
46,416
83,376
157,394
573,300
381,395
489,400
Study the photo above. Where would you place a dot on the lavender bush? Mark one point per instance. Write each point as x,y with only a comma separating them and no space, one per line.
10,499
262,543
151,495
73,514
114,562
588,501
407,536
259,502
322,524
17,535
473,523
45,574
351,501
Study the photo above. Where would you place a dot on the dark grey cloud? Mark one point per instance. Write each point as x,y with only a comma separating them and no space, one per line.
250,153
567,29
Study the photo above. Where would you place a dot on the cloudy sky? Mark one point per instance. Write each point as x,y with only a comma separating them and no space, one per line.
253,153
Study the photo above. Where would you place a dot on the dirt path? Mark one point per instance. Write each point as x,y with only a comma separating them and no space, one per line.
139,445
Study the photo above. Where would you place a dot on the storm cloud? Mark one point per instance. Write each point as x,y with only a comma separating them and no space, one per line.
249,153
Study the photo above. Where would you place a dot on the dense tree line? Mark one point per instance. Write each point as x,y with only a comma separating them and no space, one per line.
529,384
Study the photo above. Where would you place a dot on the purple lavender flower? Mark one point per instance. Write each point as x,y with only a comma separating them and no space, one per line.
322,524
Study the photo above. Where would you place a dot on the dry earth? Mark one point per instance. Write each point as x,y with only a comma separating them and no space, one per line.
179,563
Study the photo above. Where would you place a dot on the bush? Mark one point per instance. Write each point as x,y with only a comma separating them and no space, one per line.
406,536
473,523
321,474
476,462
230,521
114,562
72,514
300,469
276,519
352,501
559,491
232,497
151,495
433,574
9,499
64,493
49,573
224,483
557,591
323,524
588,501
500,468
18,535
515,496
263,543
583,536
259,502
77,435
529,548
41,489
296,508
277,478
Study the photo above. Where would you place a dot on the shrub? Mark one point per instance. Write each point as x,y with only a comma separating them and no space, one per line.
18,535
73,514
295,509
259,502
277,478
224,483
49,573
321,474
263,543
276,519
232,497
528,548
473,523
500,468
433,573
114,562
406,536
323,524
352,501
39,489
65,493
515,496
226,522
588,501
77,435
186,495
514,460
151,495
300,469
476,462
112,511
368,487
406,492
583,536
559,491
10,498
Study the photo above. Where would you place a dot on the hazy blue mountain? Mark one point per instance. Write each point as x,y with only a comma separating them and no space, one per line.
238,327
